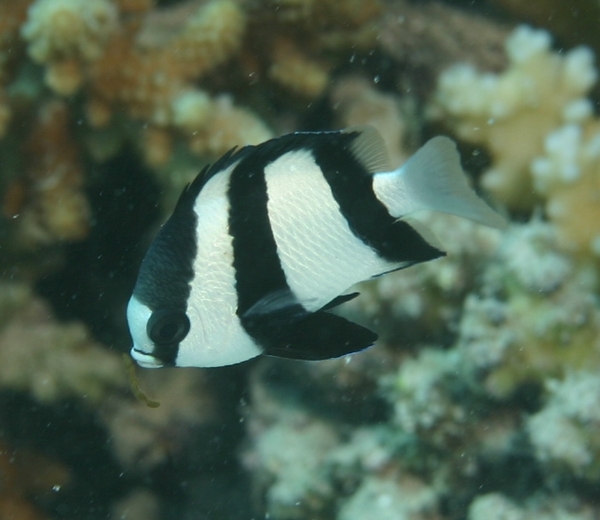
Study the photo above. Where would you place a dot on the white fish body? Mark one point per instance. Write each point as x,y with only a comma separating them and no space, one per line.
267,239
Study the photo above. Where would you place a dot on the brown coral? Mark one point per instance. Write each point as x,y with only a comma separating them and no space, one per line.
54,207
134,6
144,72
428,37
296,72
65,34
12,15
317,14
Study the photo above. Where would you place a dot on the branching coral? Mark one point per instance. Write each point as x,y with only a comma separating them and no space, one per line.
405,498
294,71
567,174
12,15
144,71
146,65
565,433
535,317
512,113
54,207
425,38
441,427
65,33
299,479
495,506
306,468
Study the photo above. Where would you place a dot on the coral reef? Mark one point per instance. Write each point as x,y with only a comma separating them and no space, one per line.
481,399
572,22
12,16
305,467
53,361
64,33
539,128
564,433
144,437
404,498
54,207
459,416
495,506
512,113
161,66
426,38
566,175
535,317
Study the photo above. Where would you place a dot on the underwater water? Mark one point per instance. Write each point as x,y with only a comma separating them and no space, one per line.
481,398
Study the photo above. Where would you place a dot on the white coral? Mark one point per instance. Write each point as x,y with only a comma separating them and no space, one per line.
513,112
62,29
564,431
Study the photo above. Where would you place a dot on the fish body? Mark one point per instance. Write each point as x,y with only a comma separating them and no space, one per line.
263,242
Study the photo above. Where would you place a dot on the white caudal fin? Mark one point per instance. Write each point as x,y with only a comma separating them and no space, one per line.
433,179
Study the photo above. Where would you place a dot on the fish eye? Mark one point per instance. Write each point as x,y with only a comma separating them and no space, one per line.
167,326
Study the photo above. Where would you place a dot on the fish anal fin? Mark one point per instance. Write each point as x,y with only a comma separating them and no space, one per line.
320,336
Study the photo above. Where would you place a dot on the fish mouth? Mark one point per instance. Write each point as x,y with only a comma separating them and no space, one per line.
144,359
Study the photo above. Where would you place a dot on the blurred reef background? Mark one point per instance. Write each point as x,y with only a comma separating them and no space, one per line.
481,401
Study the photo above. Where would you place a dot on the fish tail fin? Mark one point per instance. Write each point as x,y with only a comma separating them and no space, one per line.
433,179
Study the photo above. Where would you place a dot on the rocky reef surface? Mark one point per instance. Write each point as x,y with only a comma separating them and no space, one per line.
482,398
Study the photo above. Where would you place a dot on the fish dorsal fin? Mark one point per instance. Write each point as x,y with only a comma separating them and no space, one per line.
369,148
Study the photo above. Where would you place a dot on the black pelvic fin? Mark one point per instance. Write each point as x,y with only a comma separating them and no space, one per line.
319,336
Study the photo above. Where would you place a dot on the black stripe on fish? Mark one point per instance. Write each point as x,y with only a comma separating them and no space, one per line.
367,217
258,270
167,269
287,330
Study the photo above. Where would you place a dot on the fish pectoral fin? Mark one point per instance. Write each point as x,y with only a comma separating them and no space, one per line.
338,300
278,307
319,336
